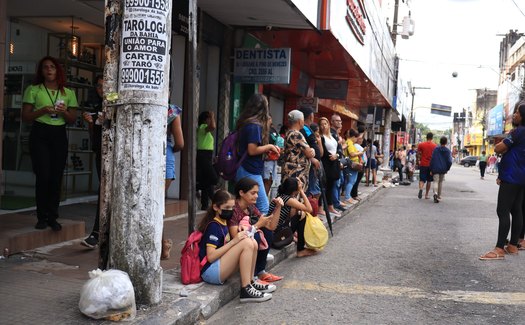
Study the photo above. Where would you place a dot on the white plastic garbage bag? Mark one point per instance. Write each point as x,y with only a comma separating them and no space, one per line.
108,294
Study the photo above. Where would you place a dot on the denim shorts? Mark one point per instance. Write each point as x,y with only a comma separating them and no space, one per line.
170,163
270,169
424,174
213,273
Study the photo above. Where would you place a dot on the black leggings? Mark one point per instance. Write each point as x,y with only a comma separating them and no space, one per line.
298,225
510,200
206,176
482,167
48,148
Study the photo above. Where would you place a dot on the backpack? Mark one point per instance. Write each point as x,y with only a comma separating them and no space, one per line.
228,159
190,263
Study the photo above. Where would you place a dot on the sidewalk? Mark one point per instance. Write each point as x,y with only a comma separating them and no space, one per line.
44,285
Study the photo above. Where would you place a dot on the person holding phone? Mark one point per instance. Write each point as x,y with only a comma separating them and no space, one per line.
49,106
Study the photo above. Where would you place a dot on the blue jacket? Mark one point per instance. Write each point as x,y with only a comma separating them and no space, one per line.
441,160
512,166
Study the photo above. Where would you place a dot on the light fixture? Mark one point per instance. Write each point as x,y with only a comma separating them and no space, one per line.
11,48
74,43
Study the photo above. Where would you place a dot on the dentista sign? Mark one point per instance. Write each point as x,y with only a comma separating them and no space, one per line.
355,17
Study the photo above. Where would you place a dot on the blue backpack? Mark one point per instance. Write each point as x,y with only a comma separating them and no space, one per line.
228,158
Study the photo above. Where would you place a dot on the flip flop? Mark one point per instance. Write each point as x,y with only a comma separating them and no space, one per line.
492,255
268,277
506,248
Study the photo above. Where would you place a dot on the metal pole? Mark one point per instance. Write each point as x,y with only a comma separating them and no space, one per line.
193,102
412,128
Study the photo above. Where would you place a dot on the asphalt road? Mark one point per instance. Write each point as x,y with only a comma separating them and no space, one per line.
400,260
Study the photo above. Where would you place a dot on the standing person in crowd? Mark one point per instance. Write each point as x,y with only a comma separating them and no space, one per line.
492,163
246,193
511,180
206,176
401,161
336,129
293,210
483,163
253,126
330,162
224,258
379,156
371,166
424,154
363,160
174,143
411,163
314,141
355,156
94,121
270,161
297,152
440,164
49,105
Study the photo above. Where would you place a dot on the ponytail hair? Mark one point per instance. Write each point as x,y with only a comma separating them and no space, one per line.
289,186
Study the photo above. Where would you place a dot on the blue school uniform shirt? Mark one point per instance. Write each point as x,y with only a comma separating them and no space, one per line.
512,165
251,133
214,236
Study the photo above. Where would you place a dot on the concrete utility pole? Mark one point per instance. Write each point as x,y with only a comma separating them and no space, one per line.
139,143
386,138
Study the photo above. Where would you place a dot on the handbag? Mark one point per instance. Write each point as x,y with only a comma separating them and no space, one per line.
282,237
315,233
356,166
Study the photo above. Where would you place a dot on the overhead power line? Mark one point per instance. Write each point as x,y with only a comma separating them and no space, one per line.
518,8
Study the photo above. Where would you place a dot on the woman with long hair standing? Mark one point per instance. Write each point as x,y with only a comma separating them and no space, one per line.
253,126
330,161
49,105
511,181
206,176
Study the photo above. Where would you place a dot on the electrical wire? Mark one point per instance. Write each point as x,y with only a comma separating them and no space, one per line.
518,7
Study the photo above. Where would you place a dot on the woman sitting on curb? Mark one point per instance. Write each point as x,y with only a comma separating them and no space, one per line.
288,191
224,258
246,192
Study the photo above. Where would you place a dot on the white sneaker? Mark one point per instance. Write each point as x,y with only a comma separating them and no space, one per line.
269,258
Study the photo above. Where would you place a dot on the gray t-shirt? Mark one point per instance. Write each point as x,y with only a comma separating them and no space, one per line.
374,153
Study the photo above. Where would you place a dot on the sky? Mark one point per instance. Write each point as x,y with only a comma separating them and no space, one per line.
460,36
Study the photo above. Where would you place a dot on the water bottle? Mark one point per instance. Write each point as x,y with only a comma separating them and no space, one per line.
229,155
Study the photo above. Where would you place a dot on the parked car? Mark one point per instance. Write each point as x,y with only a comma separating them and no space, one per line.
469,161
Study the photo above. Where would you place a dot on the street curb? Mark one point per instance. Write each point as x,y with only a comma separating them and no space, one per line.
204,300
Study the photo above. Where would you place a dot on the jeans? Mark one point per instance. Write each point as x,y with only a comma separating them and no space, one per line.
482,167
351,178
262,199
260,263
336,191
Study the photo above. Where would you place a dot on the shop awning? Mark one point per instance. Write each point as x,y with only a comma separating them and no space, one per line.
256,13
321,56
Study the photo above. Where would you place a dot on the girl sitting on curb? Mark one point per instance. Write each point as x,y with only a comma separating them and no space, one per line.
224,258
293,211
246,193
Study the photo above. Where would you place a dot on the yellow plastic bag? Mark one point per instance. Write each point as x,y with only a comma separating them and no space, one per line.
315,233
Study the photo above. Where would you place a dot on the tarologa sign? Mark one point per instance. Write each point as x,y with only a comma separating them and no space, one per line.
144,45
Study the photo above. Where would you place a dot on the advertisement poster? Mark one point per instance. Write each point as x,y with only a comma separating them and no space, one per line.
144,45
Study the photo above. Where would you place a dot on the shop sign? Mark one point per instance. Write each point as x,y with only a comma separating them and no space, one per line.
180,17
267,66
355,17
20,67
331,89
145,50
310,102
495,120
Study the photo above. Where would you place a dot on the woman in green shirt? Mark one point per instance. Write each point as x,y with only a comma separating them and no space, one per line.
482,163
206,176
49,105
